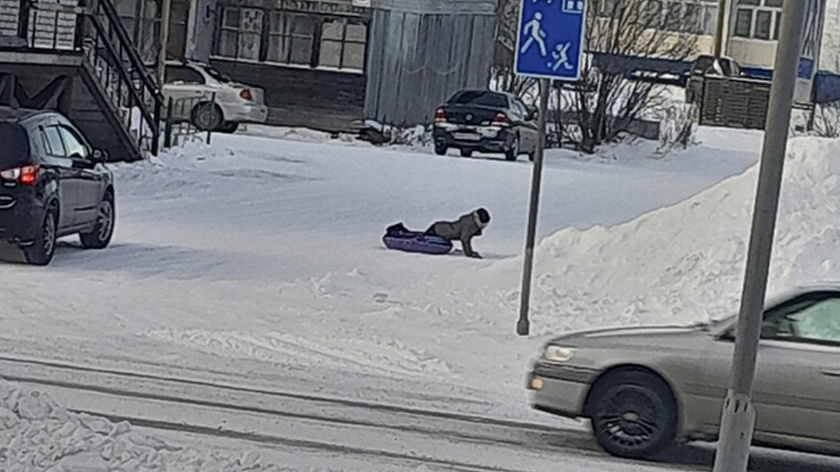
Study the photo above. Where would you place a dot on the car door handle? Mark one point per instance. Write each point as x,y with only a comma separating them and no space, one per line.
831,373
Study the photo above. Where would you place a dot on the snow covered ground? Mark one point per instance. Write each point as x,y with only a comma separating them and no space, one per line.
257,262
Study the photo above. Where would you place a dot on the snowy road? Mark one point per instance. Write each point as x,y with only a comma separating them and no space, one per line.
334,425
370,434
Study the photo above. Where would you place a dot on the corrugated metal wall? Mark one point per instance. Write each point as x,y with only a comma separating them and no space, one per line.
423,52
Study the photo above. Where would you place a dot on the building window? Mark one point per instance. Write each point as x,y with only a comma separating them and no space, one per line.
693,18
606,8
651,14
674,19
291,38
763,20
240,33
317,41
710,19
679,16
758,19
343,45
743,23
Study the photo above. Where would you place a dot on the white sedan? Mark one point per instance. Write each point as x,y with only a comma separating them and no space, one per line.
191,86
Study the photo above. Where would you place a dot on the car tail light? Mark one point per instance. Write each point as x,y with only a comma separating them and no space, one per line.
501,120
24,175
246,95
440,116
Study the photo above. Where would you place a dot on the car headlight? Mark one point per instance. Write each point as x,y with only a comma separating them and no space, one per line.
558,353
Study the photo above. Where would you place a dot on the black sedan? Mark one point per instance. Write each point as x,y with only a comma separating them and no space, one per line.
52,184
485,121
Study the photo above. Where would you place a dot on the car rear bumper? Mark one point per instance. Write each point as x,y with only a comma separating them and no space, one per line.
480,138
249,114
19,223
557,396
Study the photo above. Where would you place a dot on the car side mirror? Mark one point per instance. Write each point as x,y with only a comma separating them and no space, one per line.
99,156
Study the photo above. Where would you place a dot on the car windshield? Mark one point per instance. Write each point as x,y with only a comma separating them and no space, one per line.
479,98
15,148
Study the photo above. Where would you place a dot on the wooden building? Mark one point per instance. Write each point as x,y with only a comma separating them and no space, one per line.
326,64
79,59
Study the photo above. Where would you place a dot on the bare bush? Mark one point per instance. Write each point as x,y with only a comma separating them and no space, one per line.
607,101
678,125
827,120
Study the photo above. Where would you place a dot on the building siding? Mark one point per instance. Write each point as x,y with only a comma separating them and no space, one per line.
303,97
418,60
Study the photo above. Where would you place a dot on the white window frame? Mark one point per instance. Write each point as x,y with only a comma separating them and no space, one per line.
754,7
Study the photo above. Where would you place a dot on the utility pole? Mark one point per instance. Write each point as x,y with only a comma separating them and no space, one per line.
722,30
165,11
738,419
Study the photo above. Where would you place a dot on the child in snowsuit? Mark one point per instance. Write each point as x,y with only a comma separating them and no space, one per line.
464,229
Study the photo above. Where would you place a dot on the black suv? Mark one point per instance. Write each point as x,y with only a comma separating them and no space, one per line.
52,184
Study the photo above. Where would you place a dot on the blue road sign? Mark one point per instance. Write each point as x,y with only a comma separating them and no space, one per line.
550,41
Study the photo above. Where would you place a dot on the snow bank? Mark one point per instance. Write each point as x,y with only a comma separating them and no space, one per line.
38,435
686,262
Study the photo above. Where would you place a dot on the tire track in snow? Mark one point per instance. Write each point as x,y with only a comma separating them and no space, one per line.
309,424
532,439
467,418
295,443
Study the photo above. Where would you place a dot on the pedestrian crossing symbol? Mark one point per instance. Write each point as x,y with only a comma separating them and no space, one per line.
550,39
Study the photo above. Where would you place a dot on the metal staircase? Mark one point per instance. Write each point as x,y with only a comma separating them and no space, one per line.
76,57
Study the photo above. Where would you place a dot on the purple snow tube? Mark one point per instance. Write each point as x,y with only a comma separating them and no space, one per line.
414,241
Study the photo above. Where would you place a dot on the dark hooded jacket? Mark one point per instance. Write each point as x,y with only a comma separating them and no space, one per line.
464,229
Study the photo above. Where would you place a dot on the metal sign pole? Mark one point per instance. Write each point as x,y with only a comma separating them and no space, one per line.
738,419
549,47
523,327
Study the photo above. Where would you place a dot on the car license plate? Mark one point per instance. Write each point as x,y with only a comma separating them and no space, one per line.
467,136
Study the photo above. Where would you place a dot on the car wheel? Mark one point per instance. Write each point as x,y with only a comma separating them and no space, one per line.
43,248
206,116
102,232
634,414
229,127
513,151
440,150
466,152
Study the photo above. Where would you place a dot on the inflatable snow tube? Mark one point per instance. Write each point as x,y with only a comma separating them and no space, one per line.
401,239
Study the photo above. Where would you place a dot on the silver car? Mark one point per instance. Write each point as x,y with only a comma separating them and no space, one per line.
646,387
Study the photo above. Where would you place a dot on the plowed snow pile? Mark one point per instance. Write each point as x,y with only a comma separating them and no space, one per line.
686,262
38,435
